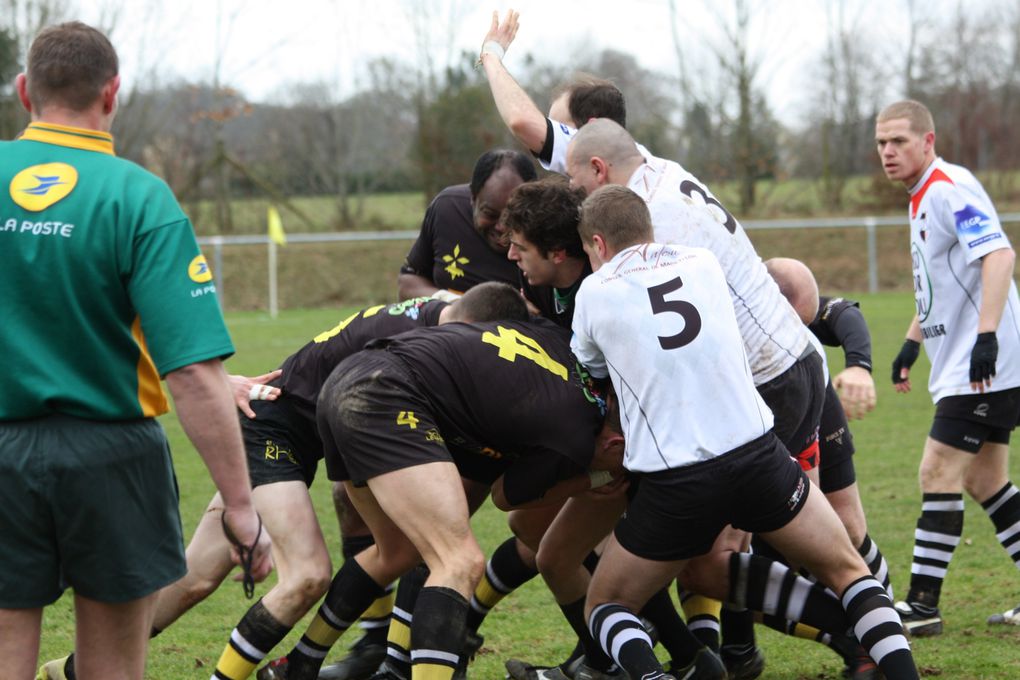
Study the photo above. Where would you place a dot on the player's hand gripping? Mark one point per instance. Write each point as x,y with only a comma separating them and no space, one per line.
982,361
902,363
249,546
501,34
856,389
247,390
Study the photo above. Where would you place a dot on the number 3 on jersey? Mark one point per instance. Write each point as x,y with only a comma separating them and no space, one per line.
660,305
512,344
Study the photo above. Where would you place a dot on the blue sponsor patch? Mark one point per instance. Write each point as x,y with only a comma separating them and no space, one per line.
566,130
984,239
972,221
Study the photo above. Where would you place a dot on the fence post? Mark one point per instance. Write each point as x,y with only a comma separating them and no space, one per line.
217,243
273,295
869,225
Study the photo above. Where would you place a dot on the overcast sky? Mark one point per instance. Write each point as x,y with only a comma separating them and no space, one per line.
265,44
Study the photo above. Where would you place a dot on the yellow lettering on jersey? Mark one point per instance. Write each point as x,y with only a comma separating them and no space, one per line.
326,335
407,418
40,186
512,344
372,311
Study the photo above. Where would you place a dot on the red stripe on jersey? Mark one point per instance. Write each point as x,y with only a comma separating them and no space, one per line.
915,200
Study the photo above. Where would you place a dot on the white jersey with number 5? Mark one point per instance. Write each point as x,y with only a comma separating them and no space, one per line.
658,321
685,212
953,224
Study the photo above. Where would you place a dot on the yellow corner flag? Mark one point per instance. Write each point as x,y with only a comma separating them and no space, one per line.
276,232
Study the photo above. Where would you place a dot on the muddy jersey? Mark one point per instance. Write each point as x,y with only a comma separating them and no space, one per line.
450,252
508,390
651,319
305,371
953,224
685,212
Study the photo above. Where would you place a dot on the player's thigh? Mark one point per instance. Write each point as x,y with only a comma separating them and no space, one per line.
208,551
943,467
627,579
530,524
847,504
289,518
816,539
20,631
577,529
111,639
988,471
392,554
427,503
709,574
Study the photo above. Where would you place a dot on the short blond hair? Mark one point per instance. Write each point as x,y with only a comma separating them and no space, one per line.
915,112
619,215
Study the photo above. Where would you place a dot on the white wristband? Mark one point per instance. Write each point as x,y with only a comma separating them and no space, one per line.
493,48
600,478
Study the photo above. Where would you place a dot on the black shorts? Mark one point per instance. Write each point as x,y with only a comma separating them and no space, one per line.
282,444
835,446
373,418
795,397
967,421
677,514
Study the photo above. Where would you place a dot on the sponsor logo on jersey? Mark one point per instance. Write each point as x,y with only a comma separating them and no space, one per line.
454,260
566,130
933,331
972,222
198,270
922,283
40,186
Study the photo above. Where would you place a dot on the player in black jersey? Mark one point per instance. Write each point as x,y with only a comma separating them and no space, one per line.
403,420
541,222
461,242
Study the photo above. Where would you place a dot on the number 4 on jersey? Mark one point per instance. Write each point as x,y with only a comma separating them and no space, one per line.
513,344
407,418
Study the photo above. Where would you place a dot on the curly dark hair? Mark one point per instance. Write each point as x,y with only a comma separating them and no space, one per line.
546,212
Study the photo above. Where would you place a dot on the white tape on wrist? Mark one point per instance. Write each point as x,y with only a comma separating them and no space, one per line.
600,478
493,48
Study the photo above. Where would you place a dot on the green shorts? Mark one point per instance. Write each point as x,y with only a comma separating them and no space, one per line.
86,504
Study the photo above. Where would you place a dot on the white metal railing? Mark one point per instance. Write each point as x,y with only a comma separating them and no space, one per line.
869,223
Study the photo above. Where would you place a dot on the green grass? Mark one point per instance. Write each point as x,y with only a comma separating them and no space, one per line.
527,625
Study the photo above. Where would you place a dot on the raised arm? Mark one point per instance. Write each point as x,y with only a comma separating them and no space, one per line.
527,123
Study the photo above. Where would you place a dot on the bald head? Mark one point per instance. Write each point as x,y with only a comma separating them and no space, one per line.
601,153
797,284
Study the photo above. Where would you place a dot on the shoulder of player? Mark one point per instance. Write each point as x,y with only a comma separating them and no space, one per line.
456,193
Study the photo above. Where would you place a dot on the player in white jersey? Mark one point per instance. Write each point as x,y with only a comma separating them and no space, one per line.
967,317
699,444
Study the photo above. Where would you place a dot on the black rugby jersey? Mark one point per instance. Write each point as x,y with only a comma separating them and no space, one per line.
450,252
305,371
840,324
554,304
511,391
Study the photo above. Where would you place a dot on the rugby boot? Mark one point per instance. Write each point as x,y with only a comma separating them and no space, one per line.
57,669
386,672
522,670
743,664
705,666
472,643
364,659
862,667
1010,617
919,620
586,672
274,670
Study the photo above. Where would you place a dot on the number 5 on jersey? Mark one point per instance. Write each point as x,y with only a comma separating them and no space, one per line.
660,305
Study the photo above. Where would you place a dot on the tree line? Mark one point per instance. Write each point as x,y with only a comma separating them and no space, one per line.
420,128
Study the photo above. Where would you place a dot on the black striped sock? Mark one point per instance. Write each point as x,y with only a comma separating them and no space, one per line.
1003,509
621,635
505,572
878,627
938,533
877,565
256,634
437,632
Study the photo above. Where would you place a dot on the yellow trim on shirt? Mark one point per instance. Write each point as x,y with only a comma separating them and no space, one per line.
150,391
63,135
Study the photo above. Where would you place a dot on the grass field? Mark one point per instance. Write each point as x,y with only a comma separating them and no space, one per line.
981,581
